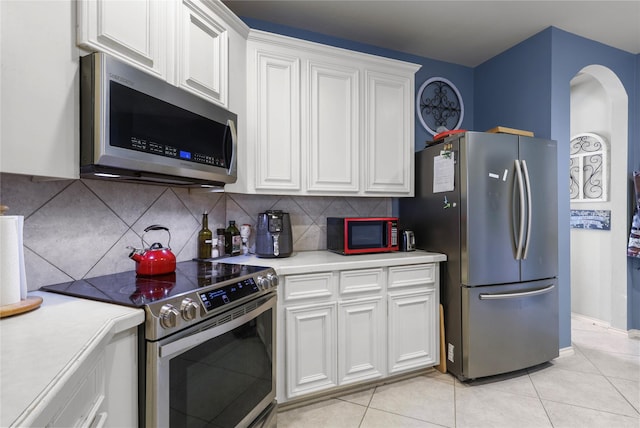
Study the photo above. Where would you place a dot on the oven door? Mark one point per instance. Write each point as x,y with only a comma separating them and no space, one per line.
220,372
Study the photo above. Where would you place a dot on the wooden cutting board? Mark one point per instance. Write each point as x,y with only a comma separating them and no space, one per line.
442,367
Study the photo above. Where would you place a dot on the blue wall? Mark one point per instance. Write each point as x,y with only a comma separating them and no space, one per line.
526,87
513,89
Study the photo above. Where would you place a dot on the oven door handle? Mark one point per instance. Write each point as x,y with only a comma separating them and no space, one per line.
188,342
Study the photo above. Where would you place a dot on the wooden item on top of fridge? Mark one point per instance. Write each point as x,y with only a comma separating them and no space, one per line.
505,130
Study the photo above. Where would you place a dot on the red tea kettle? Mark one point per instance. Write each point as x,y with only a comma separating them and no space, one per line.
155,260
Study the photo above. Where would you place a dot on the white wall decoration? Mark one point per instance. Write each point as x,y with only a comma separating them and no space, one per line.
439,104
588,168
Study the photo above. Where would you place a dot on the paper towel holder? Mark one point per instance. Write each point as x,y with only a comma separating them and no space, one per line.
25,305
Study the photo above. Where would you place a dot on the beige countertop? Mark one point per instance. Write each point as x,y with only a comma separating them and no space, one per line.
41,349
322,261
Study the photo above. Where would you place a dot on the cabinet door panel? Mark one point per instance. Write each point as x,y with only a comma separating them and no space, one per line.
134,31
39,94
310,348
202,54
361,333
277,127
333,128
389,135
412,330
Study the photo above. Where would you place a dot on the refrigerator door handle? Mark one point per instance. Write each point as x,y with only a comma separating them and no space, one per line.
519,242
529,209
499,296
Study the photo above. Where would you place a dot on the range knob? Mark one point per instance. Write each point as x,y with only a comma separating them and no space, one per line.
263,283
169,316
189,309
273,279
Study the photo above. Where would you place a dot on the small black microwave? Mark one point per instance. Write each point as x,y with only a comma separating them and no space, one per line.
138,128
362,235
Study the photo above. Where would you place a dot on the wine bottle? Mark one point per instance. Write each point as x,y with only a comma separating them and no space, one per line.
236,240
204,238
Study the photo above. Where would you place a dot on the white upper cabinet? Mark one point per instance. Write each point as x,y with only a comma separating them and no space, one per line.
135,31
325,121
202,52
39,89
185,43
333,128
389,130
274,116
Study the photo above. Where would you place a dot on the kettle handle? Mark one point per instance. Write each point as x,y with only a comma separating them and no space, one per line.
156,227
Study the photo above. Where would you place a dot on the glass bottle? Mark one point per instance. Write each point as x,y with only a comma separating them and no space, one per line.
204,238
234,247
222,250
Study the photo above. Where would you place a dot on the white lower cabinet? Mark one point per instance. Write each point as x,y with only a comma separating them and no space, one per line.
343,327
361,337
410,344
311,348
102,391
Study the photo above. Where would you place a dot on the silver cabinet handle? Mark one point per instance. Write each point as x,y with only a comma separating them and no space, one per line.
519,242
499,296
529,209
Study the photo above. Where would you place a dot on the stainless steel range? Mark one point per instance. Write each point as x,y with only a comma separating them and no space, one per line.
208,341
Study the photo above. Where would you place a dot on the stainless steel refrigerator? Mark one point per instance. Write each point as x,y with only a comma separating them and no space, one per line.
488,201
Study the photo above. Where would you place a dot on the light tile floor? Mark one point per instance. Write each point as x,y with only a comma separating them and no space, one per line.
597,386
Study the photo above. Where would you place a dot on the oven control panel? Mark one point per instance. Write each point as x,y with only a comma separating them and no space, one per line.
230,293
172,315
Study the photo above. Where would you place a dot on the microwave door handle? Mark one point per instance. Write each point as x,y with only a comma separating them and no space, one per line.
234,147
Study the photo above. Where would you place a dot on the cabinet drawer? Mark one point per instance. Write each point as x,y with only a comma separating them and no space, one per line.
86,400
407,276
297,287
361,280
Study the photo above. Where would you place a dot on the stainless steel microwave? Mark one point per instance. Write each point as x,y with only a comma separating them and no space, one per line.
137,128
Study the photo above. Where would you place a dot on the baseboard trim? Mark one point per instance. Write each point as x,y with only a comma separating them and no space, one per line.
566,352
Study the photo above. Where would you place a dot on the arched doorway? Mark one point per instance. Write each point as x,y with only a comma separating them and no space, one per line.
599,105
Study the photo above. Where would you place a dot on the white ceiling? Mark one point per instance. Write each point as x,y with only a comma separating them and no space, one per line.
460,32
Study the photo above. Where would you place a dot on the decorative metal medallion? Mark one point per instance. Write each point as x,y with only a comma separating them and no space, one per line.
588,168
439,104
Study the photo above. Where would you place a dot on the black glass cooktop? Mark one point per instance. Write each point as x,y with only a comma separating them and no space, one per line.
125,288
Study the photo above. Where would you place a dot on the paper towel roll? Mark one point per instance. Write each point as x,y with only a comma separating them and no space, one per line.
12,279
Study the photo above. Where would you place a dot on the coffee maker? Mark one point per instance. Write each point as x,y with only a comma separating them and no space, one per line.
273,235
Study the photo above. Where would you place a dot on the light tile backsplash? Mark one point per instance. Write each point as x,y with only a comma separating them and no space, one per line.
81,228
